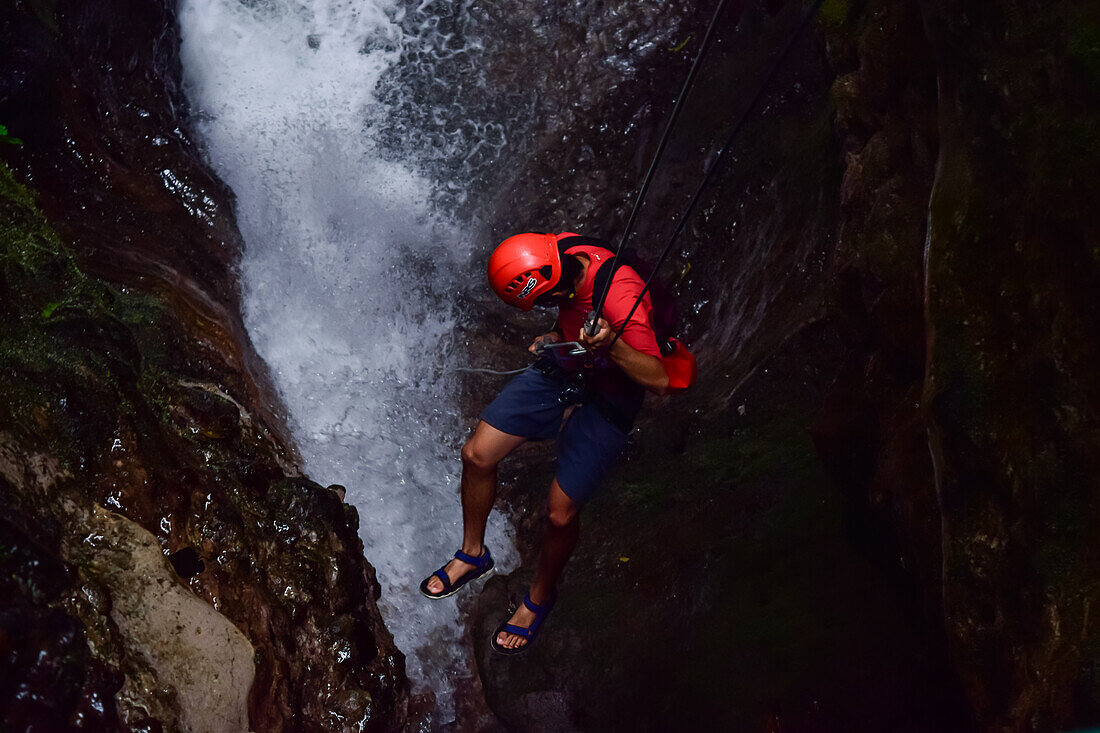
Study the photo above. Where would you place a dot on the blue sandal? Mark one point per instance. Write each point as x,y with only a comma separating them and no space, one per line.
482,565
528,633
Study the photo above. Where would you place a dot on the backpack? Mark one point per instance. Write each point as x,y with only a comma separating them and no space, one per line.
678,362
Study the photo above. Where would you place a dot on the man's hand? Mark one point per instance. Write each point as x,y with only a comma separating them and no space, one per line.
644,369
546,338
601,337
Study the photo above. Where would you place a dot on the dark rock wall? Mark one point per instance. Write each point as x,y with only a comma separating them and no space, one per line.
1012,270
878,508
976,383
135,415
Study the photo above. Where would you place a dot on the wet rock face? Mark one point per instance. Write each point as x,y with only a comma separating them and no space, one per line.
171,568
173,639
877,510
1012,331
716,587
49,677
553,87
973,409
894,310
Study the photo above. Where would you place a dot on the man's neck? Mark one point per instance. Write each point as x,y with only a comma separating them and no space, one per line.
579,281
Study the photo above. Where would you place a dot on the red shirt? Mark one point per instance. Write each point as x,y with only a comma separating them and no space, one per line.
624,290
611,389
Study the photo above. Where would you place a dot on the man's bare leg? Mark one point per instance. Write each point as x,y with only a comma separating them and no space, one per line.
480,457
558,540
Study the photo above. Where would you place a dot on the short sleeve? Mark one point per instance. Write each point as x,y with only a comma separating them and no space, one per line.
624,291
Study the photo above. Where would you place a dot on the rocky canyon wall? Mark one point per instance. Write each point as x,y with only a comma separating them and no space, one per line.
166,566
878,508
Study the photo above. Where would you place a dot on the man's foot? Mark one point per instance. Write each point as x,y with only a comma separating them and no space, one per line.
518,632
457,572
523,618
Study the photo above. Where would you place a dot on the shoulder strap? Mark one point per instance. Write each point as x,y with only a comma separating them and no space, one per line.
606,272
665,313
579,241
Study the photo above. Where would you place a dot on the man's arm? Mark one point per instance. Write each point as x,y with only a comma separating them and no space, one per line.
644,369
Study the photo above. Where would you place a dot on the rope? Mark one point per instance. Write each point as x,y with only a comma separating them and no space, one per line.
706,175
490,371
715,163
644,189
541,350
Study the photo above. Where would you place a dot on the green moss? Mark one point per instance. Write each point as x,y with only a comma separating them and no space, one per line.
782,635
7,137
1084,48
40,274
738,550
775,446
46,10
835,13
77,353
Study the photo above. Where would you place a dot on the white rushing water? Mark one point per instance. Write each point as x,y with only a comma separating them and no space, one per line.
346,284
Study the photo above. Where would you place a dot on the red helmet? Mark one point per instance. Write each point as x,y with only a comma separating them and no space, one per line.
524,267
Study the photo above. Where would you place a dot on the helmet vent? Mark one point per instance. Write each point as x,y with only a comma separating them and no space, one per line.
518,280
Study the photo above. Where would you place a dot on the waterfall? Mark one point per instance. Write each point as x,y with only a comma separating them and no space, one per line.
346,277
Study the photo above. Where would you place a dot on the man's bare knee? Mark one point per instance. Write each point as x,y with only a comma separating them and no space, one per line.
561,516
474,457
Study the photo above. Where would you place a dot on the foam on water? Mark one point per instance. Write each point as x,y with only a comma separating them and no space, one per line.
346,289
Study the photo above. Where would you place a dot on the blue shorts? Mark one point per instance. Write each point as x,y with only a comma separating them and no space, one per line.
588,443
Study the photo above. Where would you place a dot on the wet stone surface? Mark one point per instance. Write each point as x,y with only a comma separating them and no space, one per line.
130,391
879,394
876,511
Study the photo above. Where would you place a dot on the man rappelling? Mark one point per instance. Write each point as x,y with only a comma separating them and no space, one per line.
602,377
596,384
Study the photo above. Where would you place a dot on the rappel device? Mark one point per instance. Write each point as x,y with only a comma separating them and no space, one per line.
576,348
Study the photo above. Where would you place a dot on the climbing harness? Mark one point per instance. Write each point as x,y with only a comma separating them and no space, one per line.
574,384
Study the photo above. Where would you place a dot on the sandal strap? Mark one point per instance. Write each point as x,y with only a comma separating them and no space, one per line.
475,561
525,632
442,575
536,609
